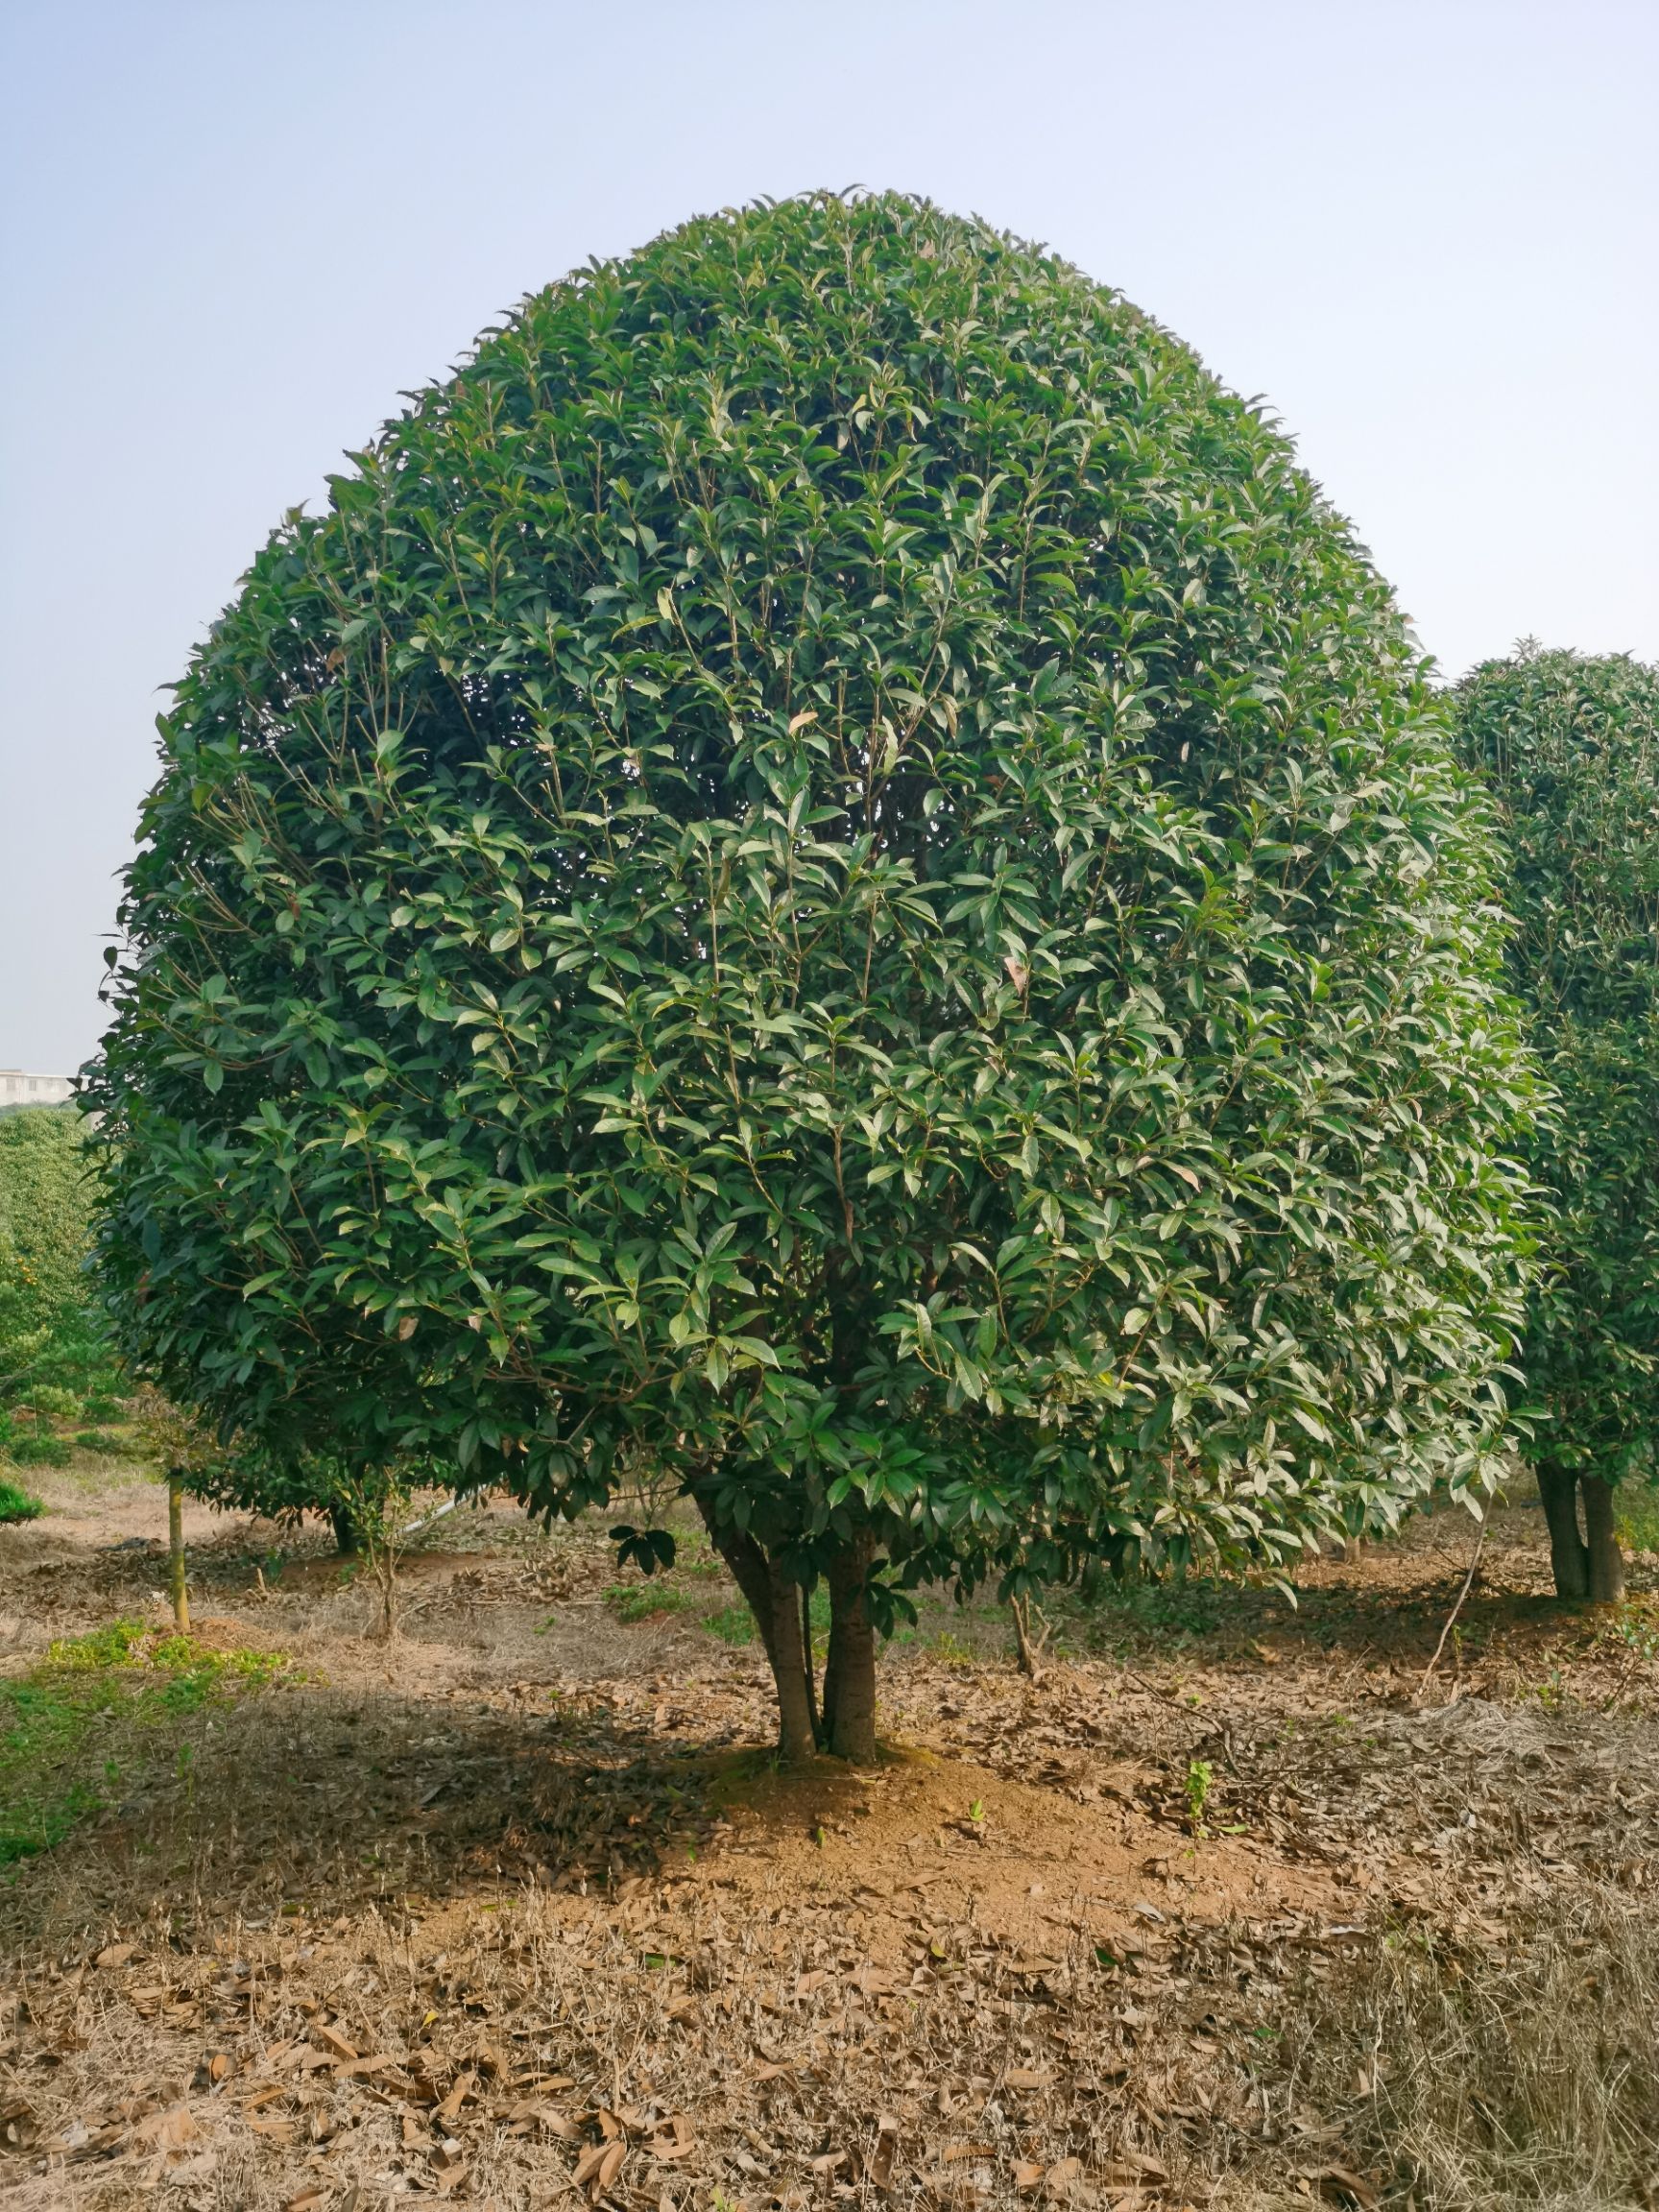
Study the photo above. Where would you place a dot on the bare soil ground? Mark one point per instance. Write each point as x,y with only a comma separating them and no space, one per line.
1232,1908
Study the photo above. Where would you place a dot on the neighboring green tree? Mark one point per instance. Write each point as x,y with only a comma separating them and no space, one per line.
372,1507
244,1477
55,1349
831,874
1570,745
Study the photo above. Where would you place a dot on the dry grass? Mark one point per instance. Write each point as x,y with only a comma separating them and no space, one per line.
511,1904
1514,2070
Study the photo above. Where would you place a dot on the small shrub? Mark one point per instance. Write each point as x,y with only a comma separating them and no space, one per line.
17,1504
951,1648
52,1347
37,1448
47,1401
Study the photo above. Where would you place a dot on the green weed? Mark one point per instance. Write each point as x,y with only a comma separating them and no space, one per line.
1117,1616
952,1649
111,1645
1637,1516
1636,1631
1200,1778
733,1624
91,1696
644,1599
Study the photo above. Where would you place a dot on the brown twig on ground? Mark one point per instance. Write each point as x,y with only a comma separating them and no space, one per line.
1457,1607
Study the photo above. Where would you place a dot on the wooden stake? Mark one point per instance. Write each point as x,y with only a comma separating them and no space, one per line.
176,1555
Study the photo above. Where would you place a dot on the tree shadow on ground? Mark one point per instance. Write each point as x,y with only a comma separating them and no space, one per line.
301,1799
1388,1607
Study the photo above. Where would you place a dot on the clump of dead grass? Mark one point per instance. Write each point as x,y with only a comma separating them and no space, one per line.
1513,2066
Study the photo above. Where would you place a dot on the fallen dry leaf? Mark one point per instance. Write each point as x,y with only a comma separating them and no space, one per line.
115,1954
359,2069
166,2130
467,2086
19,2125
674,2138
1352,2185
610,2166
599,2166
880,2168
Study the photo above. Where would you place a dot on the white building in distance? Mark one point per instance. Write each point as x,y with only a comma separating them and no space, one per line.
16,1089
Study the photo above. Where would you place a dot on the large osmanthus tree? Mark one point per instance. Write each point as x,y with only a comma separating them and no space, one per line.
828,872
1570,745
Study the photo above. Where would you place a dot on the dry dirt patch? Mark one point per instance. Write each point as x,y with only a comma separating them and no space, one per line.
517,1912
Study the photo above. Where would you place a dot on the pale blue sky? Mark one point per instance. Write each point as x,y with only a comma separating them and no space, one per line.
233,232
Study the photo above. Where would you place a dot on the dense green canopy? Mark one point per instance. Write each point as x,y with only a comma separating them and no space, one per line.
45,1206
53,1348
829,870
1571,746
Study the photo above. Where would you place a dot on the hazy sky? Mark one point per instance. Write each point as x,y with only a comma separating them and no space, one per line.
1429,234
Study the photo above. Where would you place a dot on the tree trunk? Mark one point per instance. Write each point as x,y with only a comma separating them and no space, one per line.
775,1600
1030,1637
177,1586
1606,1562
1569,1554
346,1540
850,1678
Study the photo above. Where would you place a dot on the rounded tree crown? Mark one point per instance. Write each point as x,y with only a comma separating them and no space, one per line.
1570,745
829,867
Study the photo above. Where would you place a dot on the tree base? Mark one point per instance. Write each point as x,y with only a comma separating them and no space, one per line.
843,1721
1588,1565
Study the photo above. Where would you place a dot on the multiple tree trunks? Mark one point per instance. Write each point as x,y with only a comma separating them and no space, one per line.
844,1722
1588,1564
